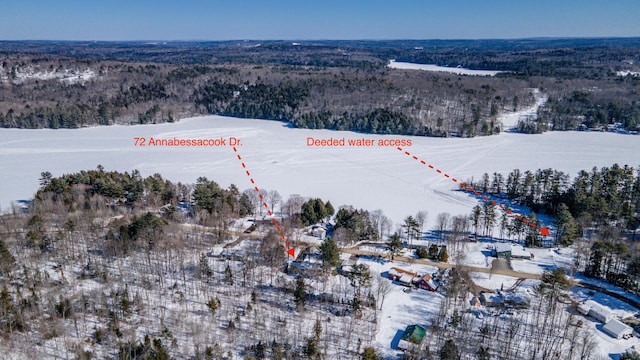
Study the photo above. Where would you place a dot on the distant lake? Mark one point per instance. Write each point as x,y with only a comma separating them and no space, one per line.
430,67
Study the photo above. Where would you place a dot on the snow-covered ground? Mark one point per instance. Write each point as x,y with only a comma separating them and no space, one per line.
480,255
278,158
430,67
510,120
401,309
545,259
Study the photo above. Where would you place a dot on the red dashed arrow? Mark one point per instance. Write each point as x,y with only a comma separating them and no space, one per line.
543,230
290,250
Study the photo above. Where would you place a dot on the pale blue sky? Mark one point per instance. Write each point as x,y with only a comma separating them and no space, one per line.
320,19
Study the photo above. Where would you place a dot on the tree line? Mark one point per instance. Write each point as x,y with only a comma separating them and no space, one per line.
372,100
596,198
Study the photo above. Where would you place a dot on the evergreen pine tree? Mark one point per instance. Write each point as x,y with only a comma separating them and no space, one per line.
370,354
567,227
6,259
228,275
330,253
299,295
443,256
433,252
483,353
259,350
394,245
449,351
231,326
329,209
203,267
317,330
213,304
630,356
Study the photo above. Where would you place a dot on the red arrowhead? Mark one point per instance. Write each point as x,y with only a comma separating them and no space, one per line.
544,231
291,252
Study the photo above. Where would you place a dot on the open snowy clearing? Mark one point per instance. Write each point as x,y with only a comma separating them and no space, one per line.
400,308
279,158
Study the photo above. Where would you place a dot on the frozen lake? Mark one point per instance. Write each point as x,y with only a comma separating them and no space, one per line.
430,67
278,157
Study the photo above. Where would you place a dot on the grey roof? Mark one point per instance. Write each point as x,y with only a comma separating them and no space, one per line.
503,247
599,310
615,327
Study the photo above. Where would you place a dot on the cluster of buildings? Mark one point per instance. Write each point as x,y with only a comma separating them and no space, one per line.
408,278
516,298
612,325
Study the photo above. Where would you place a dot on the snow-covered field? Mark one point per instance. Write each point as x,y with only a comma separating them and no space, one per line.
69,76
429,67
278,158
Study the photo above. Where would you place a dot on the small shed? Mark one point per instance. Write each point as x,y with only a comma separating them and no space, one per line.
412,338
617,329
601,313
503,250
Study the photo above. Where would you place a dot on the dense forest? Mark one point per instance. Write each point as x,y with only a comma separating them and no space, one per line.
107,264
324,85
99,253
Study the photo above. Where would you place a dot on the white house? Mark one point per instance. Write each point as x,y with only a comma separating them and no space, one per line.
319,232
617,329
601,313
502,250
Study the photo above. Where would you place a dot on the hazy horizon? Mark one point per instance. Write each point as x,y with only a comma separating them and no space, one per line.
288,20
541,38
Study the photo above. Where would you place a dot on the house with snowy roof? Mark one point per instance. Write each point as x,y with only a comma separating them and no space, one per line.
404,277
426,282
502,250
617,329
601,313
519,299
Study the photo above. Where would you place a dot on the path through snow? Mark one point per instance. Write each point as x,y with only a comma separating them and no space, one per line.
510,120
